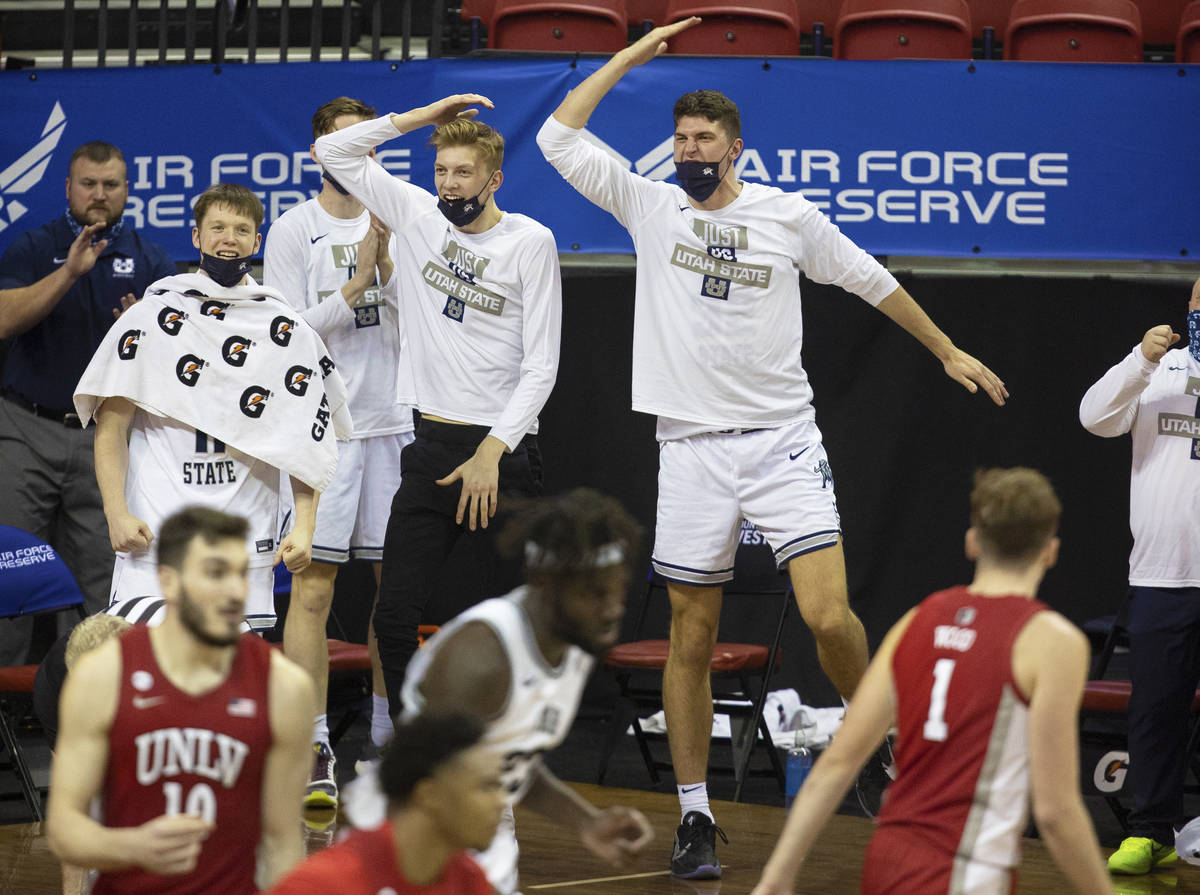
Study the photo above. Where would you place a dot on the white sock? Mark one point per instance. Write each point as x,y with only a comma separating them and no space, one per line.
694,797
381,721
321,729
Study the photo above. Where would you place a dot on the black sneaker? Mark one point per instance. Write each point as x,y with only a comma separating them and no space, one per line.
695,854
322,789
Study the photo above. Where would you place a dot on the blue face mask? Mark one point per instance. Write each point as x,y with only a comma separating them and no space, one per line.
699,179
461,212
333,183
111,233
226,271
1194,334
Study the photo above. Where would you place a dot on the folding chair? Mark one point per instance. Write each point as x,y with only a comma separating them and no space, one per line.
33,581
734,668
1074,31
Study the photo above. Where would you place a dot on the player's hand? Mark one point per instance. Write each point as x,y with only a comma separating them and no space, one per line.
654,43
127,533
171,845
973,375
383,257
452,107
127,301
617,834
82,254
295,551
480,476
1157,342
368,253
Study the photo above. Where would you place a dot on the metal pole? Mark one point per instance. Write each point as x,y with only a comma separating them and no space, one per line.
101,33
133,32
314,54
68,33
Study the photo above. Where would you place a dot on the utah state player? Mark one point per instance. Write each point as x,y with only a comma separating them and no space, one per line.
193,736
983,683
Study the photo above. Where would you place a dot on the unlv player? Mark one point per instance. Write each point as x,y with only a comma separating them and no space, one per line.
193,737
983,683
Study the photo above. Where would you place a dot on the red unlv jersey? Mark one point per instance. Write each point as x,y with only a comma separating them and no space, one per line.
173,753
961,750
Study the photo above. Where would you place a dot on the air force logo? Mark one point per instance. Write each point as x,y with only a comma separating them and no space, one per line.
27,171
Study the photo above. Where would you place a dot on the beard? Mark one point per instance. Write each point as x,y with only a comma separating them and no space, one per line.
191,616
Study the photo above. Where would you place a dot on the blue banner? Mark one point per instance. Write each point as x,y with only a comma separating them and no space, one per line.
987,159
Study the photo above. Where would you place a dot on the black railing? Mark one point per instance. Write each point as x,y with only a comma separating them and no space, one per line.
229,30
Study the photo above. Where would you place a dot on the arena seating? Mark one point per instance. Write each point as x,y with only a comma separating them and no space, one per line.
1074,31
903,29
737,27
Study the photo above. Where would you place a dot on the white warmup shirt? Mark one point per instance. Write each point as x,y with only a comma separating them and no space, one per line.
172,466
717,326
309,257
1160,404
481,311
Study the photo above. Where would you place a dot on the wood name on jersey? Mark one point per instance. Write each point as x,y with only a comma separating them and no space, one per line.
953,637
172,751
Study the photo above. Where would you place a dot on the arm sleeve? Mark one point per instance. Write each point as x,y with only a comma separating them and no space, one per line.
541,289
344,154
1110,406
284,269
17,266
826,255
596,174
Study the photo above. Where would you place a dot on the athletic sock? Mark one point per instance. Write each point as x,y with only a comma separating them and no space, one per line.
321,729
381,721
694,797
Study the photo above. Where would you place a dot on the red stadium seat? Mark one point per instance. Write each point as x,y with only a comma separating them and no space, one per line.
1160,20
582,26
990,14
639,12
1187,42
903,29
809,12
737,27
1074,31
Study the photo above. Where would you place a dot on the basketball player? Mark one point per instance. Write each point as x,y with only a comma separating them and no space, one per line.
717,357
984,684
444,796
193,737
335,268
520,662
212,390
482,310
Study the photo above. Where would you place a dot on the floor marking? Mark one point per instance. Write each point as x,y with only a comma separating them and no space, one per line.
599,879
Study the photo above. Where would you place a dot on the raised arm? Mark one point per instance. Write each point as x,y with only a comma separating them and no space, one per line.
126,532
871,713
88,705
1110,406
24,307
293,704
1050,663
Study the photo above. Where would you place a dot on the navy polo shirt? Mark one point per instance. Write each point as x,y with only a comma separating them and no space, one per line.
44,364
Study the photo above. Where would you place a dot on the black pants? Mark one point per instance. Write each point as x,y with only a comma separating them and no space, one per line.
421,533
1164,667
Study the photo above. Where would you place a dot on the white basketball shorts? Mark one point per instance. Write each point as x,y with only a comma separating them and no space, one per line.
133,580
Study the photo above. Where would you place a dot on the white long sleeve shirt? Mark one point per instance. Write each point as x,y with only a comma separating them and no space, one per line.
482,311
1159,403
717,324
309,256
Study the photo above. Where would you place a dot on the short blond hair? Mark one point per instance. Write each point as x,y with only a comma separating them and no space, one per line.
90,633
483,138
1015,512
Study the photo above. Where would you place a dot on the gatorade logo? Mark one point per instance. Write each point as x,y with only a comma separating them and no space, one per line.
214,309
254,401
327,367
170,321
188,369
1110,772
281,330
235,350
127,345
297,379
321,423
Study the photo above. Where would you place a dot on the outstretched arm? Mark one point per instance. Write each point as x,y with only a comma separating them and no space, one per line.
871,713
23,308
964,369
577,108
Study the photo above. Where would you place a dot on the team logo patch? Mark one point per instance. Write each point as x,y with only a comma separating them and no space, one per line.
368,315
321,423
188,368
454,309
127,346
254,401
825,472
327,366
964,616
715,287
241,707
170,320
141,680
296,380
235,350
281,330
122,267
214,309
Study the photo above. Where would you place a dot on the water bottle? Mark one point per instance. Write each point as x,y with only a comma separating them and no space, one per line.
799,763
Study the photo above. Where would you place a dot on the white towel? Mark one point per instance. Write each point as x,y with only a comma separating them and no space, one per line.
236,363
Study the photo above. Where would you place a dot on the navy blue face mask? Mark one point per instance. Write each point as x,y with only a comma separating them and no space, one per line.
461,212
226,271
699,179
333,183
1194,334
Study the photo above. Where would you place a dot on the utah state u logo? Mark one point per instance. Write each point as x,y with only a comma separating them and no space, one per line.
254,401
281,330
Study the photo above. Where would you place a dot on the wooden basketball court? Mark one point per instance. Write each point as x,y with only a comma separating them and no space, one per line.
554,863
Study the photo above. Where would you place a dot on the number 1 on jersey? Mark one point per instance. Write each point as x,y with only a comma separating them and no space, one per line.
935,725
